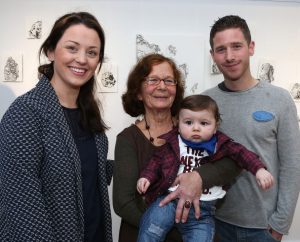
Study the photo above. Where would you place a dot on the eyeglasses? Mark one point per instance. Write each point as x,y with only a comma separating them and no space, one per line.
156,81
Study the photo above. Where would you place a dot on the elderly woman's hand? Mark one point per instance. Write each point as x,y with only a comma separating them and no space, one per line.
188,192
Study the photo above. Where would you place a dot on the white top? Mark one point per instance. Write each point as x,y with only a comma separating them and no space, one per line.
189,159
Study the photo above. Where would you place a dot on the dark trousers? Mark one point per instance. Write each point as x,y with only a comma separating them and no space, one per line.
226,232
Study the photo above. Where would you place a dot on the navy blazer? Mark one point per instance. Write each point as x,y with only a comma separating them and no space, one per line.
40,172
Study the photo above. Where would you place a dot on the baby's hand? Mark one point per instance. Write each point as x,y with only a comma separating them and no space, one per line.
142,185
264,178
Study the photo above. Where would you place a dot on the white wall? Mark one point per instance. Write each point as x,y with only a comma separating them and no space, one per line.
275,28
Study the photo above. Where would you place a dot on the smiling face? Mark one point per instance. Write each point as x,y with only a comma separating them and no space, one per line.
76,57
158,97
197,126
231,53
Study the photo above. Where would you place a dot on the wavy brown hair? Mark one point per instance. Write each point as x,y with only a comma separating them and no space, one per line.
131,104
90,116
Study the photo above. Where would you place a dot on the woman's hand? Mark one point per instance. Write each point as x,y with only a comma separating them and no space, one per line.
188,192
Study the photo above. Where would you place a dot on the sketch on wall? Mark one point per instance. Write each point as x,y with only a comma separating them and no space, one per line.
143,47
12,68
214,70
295,91
34,29
266,71
184,69
180,48
107,78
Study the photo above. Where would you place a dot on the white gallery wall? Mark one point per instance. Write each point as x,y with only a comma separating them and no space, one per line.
275,27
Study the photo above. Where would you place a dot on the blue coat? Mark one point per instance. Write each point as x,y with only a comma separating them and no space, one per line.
40,173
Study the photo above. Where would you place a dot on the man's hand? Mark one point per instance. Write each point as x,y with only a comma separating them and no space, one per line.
189,190
275,234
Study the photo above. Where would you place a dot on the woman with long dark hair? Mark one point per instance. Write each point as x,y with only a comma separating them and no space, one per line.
54,171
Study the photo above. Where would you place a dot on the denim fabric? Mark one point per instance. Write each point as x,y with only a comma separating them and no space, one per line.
158,221
226,232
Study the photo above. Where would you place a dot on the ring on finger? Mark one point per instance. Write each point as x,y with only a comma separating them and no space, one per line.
187,204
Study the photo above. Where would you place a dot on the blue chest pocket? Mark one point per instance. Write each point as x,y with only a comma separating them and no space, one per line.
263,116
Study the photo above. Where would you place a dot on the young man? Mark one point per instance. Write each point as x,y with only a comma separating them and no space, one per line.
263,118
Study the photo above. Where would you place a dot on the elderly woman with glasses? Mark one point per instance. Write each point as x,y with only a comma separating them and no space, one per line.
154,92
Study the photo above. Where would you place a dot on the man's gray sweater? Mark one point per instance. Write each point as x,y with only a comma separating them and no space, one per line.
264,119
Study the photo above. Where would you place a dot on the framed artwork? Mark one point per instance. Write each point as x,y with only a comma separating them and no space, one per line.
107,78
266,70
214,70
34,28
12,68
295,92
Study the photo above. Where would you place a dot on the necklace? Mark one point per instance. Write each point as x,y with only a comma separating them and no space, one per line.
147,127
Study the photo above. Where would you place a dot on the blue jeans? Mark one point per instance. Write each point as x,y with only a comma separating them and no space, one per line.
226,232
157,221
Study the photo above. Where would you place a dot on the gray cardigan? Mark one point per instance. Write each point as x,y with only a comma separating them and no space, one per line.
40,173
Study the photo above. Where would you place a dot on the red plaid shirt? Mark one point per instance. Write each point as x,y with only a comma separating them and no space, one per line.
162,169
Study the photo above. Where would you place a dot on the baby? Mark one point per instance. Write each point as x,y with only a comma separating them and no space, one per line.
195,142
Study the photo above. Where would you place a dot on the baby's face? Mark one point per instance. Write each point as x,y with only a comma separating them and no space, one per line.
197,126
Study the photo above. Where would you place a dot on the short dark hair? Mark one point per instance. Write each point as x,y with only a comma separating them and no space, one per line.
229,22
131,104
200,102
90,116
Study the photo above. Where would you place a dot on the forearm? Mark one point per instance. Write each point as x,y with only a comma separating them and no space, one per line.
219,173
25,215
287,197
22,208
245,158
129,212
288,178
127,203
150,172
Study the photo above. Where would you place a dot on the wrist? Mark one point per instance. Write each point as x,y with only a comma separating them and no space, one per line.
196,173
